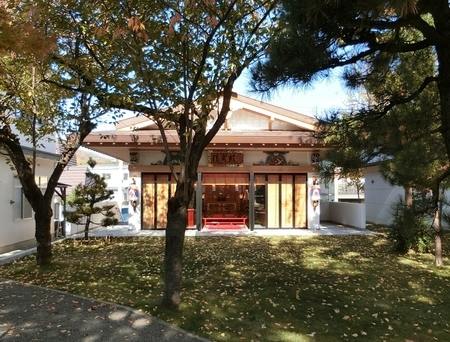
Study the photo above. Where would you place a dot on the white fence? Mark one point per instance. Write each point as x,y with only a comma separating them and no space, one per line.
348,214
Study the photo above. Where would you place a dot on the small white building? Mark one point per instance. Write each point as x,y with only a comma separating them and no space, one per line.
117,177
17,230
379,196
115,173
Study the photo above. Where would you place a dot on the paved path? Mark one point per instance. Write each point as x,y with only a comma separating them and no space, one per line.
31,313
325,229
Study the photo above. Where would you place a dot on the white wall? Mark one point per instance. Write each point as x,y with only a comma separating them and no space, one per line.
147,158
72,228
11,232
348,214
117,183
379,196
17,233
48,145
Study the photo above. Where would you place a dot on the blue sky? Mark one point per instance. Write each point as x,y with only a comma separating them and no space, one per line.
318,98
314,100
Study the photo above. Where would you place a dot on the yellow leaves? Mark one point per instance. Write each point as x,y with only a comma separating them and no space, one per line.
138,27
100,31
233,291
273,304
135,24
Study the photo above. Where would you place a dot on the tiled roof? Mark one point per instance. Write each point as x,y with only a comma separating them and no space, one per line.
74,175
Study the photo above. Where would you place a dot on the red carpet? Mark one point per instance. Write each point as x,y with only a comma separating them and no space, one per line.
225,226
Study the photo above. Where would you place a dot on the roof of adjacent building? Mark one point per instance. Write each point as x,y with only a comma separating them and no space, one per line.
74,175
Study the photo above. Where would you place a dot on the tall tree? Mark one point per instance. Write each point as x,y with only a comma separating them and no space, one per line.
405,141
321,35
173,61
36,119
33,111
19,35
373,41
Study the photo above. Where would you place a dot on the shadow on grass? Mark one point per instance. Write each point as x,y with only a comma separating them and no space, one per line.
324,288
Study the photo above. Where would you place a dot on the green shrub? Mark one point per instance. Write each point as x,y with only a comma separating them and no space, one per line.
410,230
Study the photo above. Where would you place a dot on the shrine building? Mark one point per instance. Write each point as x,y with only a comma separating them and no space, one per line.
258,171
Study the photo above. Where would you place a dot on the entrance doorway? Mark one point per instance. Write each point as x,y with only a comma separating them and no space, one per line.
225,201
269,201
280,201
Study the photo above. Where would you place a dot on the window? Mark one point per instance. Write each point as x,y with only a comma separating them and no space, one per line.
125,176
56,211
27,211
21,207
106,176
41,182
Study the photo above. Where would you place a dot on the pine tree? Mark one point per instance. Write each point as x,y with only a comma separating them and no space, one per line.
85,199
397,50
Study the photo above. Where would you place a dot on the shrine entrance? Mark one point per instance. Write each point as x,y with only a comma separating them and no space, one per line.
225,201
230,201
280,201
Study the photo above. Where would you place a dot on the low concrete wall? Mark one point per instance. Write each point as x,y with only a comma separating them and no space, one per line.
349,214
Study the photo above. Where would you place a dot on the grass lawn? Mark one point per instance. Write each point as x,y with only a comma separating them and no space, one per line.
324,288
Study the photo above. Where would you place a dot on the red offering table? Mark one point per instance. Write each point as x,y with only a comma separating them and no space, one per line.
224,222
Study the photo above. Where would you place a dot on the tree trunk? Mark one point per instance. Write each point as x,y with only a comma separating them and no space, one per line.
438,235
408,196
443,51
43,235
173,259
438,249
443,55
86,227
